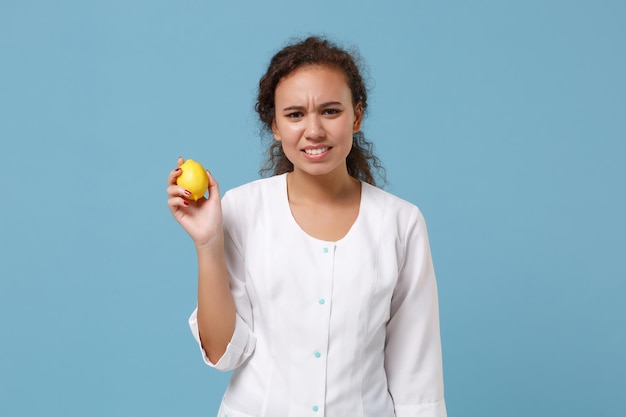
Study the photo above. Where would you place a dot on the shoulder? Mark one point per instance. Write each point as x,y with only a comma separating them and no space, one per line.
250,202
255,189
391,207
398,219
399,224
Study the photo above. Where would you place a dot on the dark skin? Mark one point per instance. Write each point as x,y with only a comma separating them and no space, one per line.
315,121
317,112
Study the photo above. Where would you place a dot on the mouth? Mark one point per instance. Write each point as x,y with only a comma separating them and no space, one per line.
316,151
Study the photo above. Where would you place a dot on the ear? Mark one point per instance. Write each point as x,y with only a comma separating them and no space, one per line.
358,117
275,130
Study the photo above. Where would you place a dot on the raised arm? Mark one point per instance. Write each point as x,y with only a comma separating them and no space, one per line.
202,220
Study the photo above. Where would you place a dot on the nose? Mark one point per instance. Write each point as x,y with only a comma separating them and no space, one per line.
314,128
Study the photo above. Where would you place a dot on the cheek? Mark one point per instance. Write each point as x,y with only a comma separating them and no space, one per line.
288,130
346,129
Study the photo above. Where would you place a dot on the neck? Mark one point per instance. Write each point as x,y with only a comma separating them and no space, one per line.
332,187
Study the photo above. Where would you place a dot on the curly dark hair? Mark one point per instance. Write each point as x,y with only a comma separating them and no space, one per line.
361,161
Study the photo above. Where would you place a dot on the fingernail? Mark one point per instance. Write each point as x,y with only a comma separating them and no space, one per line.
186,203
187,192
177,169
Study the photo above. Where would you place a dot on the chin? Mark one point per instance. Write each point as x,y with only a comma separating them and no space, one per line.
321,171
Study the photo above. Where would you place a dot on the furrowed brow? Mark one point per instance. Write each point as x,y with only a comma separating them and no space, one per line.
323,105
293,108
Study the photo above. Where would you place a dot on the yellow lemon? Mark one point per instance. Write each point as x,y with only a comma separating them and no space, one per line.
193,179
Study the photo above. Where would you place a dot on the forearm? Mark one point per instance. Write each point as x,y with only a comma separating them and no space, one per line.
216,308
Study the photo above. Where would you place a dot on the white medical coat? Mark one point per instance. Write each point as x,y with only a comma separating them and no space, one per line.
333,329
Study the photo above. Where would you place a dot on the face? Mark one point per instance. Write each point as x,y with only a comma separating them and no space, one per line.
315,119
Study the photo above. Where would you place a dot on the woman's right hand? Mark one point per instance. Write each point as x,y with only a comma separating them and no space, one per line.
201,219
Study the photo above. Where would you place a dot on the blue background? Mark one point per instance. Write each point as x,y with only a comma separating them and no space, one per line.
505,121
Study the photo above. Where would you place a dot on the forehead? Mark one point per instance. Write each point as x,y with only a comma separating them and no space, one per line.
313,80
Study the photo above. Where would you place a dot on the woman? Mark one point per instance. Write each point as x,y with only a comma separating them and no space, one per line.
314,286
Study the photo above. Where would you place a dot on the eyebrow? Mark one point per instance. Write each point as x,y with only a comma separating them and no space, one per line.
323,105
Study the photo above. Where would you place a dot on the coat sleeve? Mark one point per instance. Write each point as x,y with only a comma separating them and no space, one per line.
413,359
243,341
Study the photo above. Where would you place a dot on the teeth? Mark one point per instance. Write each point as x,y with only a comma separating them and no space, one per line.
315,151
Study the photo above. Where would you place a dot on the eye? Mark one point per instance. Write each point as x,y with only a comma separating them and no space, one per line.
331,112
294,115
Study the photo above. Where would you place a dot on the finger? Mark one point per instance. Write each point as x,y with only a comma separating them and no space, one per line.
178,191
177,203
171,179
214,188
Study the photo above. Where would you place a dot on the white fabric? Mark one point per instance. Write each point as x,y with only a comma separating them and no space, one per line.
334,329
